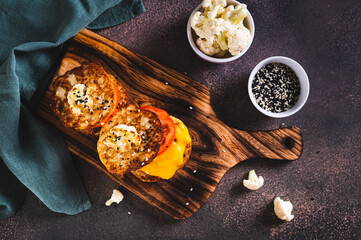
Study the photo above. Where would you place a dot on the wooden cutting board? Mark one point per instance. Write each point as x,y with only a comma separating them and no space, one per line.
215,147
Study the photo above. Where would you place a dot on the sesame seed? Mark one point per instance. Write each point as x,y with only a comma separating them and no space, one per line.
194,171
191,108
187,203
191,189
276,87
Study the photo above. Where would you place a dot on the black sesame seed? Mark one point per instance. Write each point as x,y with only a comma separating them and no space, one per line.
276,87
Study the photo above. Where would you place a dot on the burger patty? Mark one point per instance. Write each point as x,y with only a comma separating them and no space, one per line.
86,96
130,140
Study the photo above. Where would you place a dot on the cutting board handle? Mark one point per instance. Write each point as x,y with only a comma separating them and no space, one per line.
279,144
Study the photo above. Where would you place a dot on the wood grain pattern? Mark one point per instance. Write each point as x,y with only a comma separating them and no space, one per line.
216,147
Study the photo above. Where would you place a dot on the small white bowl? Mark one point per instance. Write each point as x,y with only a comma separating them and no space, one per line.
302,78
192,36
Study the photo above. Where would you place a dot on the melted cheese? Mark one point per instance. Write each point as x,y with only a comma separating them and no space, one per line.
123,138
72,79
170,161
60,93
78,98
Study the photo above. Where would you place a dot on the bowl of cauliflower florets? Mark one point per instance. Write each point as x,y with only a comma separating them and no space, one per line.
220,31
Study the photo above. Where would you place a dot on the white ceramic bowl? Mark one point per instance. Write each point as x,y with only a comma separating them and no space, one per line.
303,80
192,36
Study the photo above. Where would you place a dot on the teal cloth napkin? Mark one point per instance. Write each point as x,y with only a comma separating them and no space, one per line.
33,154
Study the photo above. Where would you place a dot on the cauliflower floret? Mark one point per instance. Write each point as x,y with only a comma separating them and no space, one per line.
117,197
235,15
253,182
283,209
238,40
216,29
198,23
208,47
214,8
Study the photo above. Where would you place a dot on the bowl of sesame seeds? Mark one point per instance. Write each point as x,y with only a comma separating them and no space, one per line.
278,87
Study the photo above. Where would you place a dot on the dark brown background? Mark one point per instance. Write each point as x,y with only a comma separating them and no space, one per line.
324,185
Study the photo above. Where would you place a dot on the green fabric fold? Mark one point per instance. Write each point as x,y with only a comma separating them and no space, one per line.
33,153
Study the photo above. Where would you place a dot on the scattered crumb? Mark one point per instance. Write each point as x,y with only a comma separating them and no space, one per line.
116,197
283,209
253,182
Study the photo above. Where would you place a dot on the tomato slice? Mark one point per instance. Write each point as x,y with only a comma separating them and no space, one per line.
168,127
117,100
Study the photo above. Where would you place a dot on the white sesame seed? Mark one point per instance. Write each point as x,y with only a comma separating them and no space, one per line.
129,213
224,151
191,189
194,171
191,108
166,83
187,203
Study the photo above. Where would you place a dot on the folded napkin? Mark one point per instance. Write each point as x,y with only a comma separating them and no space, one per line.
33,154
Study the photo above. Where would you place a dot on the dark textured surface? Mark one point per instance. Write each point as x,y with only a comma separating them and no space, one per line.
324,184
